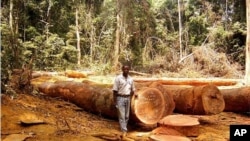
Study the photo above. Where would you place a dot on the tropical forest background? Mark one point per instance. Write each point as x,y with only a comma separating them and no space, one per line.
175,38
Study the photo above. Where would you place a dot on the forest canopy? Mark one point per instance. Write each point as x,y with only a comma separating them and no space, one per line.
206,36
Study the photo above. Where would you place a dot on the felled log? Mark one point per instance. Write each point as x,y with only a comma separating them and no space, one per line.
170,104
147,107
189,81
236,99
90,97
200,100
36,74
75,74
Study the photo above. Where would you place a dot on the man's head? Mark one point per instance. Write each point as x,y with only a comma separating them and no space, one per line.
125,70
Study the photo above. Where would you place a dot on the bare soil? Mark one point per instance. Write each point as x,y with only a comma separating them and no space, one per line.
42,118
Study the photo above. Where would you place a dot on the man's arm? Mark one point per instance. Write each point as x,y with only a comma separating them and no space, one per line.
132,89
132,93
114,96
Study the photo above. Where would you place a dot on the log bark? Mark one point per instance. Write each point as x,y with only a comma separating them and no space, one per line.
236,99
200,100
95,98
146,108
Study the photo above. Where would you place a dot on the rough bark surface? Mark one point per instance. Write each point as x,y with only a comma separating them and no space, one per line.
236,99
95,98
205,99
147,107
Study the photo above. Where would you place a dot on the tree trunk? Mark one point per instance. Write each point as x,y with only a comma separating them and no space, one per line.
236,99
117,37
147,108
11,17
200,100
180,29
247,73
78,45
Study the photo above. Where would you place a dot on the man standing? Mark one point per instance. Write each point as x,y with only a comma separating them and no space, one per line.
123,89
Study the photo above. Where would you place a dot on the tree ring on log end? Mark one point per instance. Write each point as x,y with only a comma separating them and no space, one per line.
212,99
148,106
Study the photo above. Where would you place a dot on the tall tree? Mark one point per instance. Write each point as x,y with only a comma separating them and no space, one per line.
117,35
247,73
180,28
78,45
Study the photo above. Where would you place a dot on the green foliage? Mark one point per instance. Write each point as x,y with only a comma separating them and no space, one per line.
10,53
231,42
197,29
149,32
31,32
53,54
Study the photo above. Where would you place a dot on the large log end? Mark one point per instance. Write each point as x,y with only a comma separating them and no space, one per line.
212,99
148,106
169,100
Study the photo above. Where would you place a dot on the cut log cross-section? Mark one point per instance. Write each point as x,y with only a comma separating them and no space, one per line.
170,104
147,107
205,99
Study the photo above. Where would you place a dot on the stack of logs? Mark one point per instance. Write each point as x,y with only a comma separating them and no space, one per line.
154,100
164,104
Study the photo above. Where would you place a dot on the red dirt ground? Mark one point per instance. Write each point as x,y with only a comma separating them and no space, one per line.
53,119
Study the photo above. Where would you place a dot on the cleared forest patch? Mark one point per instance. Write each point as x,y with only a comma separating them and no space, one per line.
41,117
